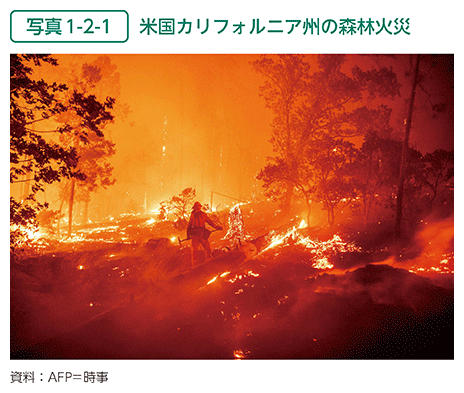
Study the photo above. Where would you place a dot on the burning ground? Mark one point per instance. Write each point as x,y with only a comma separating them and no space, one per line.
126,290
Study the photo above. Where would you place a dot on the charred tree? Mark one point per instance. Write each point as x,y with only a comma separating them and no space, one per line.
284,88
404,157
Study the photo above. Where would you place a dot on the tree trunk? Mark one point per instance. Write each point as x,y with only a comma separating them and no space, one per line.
330,214
287,200
86,211
59,215
404,158
71,203
367,208
308,205
71,193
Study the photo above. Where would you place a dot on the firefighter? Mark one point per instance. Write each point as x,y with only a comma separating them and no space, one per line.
197,232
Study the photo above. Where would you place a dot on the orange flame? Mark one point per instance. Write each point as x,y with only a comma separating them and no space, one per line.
319,248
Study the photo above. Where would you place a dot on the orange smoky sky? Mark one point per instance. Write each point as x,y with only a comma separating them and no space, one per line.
195,121
199,121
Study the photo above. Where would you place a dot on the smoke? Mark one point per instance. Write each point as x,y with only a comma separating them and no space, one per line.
437,237
430,253
377,311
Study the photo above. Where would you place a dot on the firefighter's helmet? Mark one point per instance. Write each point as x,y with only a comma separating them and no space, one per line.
196,206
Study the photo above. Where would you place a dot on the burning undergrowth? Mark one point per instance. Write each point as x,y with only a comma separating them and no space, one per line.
283,294
434,252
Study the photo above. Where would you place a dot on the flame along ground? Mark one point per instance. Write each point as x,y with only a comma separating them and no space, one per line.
110,249
432,260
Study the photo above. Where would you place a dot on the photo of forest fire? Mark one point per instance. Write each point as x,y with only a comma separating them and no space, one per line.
231,206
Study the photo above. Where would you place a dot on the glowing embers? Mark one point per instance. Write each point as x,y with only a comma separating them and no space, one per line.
236,232
231,280
150,221
431,263
216,277
30,236
240,276
240,354
278,240
282,300
322,263
121,271
212,280
225,278
321,250
97,230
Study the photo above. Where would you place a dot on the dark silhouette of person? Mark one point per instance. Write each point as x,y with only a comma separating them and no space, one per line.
197,232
